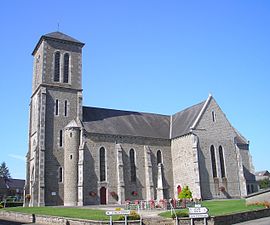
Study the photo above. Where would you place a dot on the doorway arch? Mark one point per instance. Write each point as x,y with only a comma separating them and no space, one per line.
102,194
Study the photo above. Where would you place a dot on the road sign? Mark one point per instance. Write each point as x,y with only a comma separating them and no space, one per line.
198,210
121,212
199,215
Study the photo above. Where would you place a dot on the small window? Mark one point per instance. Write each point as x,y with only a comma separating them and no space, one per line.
60,174
213,116
66,68
222,165
159,158
70,135
56,67
213,161
61,138
102,164
70,156
132,165
56,107
66,108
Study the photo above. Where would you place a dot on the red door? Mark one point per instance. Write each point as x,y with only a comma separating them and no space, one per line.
102,195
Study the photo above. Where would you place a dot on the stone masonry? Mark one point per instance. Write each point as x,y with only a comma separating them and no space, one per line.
85,155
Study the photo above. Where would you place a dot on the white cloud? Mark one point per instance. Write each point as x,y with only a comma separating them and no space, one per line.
19,157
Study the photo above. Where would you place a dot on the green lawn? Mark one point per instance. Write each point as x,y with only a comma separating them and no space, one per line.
217,207
90,214
222,207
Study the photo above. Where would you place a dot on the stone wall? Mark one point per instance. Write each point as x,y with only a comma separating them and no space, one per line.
185,165
111,144
214,129
259,197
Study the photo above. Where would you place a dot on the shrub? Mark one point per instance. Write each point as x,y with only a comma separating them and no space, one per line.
265,204
185,193
132,216
180,214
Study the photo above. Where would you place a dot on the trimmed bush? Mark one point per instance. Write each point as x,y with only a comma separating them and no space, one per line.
132,216
180,214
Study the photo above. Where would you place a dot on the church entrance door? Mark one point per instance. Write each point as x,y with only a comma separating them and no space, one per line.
102,192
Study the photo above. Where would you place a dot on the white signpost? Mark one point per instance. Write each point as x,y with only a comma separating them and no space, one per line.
120,212
198,212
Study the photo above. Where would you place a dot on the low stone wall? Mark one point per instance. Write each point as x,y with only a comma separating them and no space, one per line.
42,219
218,220
260,196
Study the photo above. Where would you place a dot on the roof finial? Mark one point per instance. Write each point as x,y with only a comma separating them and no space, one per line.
58,25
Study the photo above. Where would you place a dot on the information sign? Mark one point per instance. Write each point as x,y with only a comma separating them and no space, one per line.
198,210
199,215
121,212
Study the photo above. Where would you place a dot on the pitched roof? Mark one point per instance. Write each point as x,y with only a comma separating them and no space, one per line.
183,120
57,36
118,122
16,183
61,36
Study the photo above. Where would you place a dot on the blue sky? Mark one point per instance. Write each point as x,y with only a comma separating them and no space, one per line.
151,56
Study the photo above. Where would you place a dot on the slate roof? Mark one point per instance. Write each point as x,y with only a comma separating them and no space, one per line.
61,36
118,122
182,121
57,36
16,183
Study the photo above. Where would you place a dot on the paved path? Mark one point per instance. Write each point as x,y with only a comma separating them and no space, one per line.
262,221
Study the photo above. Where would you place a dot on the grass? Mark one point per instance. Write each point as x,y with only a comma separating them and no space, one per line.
216,207
221,207
90,214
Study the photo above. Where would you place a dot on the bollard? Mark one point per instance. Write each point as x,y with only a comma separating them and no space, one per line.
125,219
111,220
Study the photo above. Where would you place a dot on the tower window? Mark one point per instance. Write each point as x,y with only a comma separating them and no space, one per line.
159,158
66,68
66,108
102,164
60,175
132,165
61,138
56,107
213,116
56,67
213,161
222,165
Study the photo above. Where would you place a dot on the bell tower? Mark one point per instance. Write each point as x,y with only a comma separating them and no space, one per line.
56,100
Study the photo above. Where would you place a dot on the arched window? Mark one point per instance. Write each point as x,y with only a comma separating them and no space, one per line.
56,107
132,165
213,161
66,108
61,138
221,158
213,116
159,157
66,68
56,67
60,171
102,164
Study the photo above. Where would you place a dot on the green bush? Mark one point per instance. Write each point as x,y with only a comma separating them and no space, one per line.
132,216
12,204
180,214
185,193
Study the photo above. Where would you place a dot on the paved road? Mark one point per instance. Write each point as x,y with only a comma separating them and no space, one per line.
262,221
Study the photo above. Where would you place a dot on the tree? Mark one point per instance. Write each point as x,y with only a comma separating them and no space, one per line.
184,195
265,183
4,172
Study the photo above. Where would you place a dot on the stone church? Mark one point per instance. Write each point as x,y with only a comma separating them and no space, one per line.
80,155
